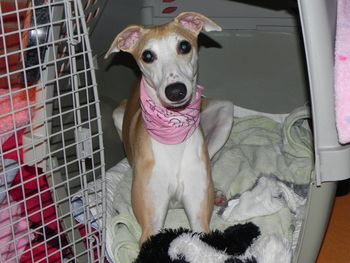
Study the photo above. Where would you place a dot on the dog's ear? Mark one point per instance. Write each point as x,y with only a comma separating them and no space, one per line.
195,23
126,40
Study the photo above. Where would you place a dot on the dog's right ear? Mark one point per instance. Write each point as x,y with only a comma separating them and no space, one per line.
126,40
195,23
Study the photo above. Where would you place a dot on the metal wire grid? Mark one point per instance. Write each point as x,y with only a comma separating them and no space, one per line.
56,148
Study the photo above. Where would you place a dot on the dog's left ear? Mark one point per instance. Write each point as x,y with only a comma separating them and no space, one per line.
195,23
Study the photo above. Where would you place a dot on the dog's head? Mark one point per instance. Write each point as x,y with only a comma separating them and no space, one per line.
167,56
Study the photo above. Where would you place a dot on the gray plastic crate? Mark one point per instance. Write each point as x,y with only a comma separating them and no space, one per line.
287,50
275,56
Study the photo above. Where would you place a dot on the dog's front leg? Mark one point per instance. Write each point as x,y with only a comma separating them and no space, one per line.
149,203
198,195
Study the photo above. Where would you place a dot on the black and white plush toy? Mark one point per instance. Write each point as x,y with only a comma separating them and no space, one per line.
184,246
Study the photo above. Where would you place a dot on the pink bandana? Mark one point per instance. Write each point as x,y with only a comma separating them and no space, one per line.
169,126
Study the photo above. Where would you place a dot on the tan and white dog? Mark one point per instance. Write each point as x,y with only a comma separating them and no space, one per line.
170,167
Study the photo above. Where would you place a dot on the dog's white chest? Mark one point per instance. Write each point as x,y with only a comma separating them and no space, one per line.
177,167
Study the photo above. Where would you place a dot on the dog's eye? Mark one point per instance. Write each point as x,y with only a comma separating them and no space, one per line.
184,47
148,56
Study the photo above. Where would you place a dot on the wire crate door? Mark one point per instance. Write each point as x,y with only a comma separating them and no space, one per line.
52,178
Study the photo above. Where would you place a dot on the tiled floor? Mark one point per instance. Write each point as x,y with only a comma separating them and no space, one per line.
336,246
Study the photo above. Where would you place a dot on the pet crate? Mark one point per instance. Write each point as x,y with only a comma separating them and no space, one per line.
272,57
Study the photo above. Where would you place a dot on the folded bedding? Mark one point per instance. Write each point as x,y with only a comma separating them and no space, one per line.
263,168
261,145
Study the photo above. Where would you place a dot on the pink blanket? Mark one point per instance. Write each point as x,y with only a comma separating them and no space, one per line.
15,111
342,71
14,231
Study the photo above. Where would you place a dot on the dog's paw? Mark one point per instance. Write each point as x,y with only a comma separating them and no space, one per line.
220,198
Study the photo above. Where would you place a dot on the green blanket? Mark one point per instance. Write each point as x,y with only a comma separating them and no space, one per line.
259,145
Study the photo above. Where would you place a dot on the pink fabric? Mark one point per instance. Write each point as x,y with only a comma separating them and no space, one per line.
14,231
169,126
342,71
14,112
31,188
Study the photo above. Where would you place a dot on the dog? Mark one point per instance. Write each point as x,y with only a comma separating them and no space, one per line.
159,123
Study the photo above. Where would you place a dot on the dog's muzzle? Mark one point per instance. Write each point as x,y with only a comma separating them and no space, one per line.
176,91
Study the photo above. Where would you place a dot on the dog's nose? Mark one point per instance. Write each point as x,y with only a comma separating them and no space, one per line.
176,91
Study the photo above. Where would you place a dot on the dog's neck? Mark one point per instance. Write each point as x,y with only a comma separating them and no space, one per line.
170,126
